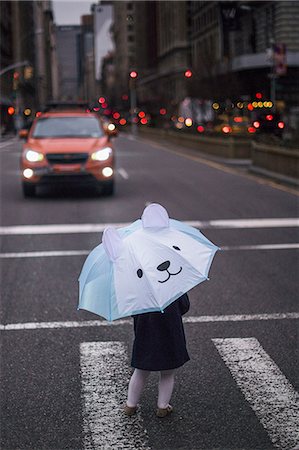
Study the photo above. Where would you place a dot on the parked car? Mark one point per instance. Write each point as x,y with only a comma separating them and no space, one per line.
65,146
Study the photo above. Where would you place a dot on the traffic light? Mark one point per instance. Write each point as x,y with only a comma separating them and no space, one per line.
28,72
11,110
188,73
133,74
15,80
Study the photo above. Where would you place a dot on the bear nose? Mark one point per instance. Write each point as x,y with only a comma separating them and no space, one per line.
163,266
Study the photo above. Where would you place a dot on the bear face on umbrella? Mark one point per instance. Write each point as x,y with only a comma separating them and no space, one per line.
153,265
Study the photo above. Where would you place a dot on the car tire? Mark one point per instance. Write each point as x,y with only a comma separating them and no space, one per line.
29,190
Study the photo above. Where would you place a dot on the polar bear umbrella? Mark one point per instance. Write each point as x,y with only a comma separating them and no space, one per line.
144,267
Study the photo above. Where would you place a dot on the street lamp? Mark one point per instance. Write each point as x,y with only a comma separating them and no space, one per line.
133,100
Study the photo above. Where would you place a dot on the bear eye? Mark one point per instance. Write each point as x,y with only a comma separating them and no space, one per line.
176,247
139,273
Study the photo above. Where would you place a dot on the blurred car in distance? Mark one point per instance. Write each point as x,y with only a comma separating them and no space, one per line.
270,123
64,146
236,125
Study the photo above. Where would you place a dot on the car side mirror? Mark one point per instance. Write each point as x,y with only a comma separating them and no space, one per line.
23,134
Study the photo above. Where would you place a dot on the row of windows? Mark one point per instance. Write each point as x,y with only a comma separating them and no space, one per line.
205,19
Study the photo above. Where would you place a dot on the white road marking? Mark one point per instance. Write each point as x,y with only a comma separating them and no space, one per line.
7,144
269,393
44,254
123,173
289,246
99,227
55,253
104,323
104,375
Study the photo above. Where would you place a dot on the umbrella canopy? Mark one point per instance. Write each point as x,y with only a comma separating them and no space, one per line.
144,267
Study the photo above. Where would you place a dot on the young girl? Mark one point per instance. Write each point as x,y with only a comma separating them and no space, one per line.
159,345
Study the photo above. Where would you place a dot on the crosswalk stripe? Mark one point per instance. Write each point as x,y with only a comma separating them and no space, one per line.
99,227
105,323
267,390
103,365
58,253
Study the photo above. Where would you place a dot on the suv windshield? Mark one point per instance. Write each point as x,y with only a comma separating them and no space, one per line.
60,127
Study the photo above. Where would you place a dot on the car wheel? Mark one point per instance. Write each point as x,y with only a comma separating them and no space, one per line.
29,190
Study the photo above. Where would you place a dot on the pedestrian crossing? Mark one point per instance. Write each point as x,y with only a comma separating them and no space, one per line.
104,374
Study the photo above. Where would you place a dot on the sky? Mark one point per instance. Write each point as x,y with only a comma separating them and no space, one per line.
68,12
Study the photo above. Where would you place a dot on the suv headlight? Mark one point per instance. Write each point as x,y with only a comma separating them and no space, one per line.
101,155
33,156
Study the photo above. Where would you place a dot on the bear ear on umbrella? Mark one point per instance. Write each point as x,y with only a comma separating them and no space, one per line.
112,243
155,216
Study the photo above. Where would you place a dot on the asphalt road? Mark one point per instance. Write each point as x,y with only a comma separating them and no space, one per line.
64,377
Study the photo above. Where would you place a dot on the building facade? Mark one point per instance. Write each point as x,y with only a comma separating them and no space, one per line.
152,39
235,47
86,61
7,59
234,50
28,66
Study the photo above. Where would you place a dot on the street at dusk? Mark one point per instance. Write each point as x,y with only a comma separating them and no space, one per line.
149,225
48,366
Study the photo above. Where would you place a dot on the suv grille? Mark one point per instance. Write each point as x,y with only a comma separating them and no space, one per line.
67,158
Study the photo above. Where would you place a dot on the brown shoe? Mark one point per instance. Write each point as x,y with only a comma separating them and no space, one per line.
130,410
163,412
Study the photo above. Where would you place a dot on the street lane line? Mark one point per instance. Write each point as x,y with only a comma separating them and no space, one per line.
54,253
104,377
268,392
123,173
262,247
99,227
7,144
45,254
188,319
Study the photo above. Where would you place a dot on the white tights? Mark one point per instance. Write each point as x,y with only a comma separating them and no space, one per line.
137,383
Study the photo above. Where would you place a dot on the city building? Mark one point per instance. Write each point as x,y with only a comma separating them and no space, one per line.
28,65
68,38
7,59
46,68
103,42
152,39
88,88
245,47
228,51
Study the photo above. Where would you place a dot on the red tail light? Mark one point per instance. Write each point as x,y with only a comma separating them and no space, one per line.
226,129
251,130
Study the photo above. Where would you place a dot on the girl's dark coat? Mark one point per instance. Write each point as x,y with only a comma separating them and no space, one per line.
160,342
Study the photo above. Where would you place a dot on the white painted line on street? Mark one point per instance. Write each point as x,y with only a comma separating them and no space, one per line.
55,253
269,393
104,323
254,223
104,366
7,144
241,317
262,247
123,173
44,254
99,227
